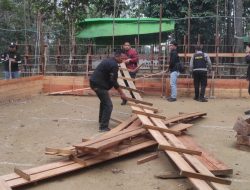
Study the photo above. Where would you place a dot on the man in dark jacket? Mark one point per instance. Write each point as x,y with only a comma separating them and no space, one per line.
102,80
173,68
200,64
11,59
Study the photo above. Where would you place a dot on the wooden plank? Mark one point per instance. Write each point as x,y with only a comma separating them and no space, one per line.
131,89
180,150
162,129
184,117
214,165
22,174
147,158
200,167
123,125
67,91
16,182
99,146
181,127
3,185
139,101
176,157
155,110
107,137
126,78
206,177
148,114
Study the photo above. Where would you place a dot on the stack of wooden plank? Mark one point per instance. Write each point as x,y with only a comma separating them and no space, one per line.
242,127
145,128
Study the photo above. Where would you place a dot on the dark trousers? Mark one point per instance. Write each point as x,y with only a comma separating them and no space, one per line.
200,83
249,87
106,106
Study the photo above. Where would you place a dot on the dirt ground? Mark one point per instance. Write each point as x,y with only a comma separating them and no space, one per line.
27,127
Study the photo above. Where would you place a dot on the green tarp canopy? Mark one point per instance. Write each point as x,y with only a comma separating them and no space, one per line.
102,30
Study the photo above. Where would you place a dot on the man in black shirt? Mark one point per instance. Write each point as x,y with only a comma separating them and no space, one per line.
11,59
102,80
173,68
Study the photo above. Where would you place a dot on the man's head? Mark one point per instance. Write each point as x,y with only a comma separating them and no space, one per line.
120,56
126,46
198,48
12,47
173,45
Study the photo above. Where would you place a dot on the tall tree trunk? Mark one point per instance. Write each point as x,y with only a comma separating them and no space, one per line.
238,9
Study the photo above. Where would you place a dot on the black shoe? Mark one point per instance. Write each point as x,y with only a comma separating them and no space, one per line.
247,112
171,99
196,99
124,102
101,130
203,100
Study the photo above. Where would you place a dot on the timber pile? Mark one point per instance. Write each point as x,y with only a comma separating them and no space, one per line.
242,127
145,128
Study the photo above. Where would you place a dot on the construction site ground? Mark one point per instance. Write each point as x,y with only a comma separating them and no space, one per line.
28,126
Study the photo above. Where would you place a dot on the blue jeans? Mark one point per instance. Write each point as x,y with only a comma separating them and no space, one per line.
173,83
14,75
106,106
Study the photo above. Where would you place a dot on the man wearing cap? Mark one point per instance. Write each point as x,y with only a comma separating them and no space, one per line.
11,59
173,68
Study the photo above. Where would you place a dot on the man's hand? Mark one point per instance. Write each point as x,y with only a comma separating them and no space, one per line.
12,60
127,61
123,96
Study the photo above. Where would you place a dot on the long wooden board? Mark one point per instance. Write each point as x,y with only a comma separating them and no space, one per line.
175,157
58,168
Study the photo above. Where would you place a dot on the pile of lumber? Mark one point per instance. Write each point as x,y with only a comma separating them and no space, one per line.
145,128
242,127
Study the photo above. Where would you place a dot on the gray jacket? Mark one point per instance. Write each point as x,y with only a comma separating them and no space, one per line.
208,61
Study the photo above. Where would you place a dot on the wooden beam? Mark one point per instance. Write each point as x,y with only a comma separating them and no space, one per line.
181,127
164,130
147,158
180,150
62,167
22,174
3,185
131,89
149,114
126,78
155,110
139,101
206,177
176,157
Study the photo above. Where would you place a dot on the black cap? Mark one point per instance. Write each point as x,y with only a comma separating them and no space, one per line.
12,45
173,43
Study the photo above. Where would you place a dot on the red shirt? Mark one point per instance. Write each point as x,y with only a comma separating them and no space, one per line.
133,55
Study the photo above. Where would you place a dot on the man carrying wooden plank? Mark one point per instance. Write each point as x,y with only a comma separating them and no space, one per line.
103,79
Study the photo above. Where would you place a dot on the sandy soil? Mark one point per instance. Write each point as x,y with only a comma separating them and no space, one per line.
27,127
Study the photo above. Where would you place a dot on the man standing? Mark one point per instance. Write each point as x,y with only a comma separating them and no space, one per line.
11,59
200,63
131,63
173,68
102,80
132,60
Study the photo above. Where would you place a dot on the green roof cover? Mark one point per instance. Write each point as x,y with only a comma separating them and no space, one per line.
102,28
